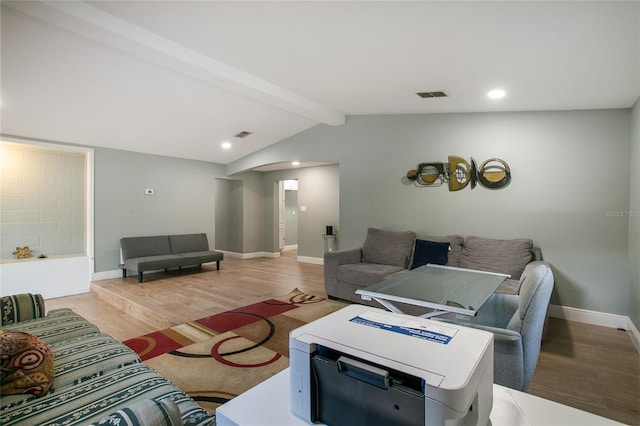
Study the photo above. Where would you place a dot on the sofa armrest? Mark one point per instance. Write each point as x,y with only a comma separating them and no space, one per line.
535,263
332,260
21,307
508,360
343,257
537,253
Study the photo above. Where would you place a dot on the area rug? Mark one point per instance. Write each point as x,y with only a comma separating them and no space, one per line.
216,358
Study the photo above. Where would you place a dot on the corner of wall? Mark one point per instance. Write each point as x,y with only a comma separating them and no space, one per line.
634,218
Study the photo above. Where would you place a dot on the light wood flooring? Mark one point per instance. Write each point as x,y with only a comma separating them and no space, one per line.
593,368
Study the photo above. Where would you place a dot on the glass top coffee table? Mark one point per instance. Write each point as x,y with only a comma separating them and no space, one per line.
442,288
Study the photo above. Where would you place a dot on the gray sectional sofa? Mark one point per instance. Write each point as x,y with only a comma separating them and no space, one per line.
516,313
95,378
144,254
386,254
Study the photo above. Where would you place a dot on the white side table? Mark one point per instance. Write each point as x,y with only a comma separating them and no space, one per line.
267,404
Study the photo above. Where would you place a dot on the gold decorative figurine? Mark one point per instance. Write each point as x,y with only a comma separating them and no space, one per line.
22,253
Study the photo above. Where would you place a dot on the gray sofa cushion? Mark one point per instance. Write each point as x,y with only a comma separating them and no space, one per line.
199,257
365,274
188,243
503,256
388,247
144,246
58,325
150,263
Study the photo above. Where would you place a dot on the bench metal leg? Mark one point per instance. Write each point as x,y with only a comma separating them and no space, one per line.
140,276
217,265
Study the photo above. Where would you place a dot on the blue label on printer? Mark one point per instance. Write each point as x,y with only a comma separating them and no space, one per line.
405,326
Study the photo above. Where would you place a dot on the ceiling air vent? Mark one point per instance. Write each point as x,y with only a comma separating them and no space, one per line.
438,94
242,134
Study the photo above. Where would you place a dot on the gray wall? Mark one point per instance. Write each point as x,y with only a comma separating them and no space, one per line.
570,181
240,213
318,191
634,217
183,201
253,223
229,207
291,217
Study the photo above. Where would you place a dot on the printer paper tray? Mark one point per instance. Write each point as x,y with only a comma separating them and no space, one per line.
346,399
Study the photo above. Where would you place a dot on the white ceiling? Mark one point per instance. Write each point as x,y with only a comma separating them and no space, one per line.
178,78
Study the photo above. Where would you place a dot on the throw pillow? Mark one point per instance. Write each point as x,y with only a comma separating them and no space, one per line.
26,364
388,247
429,252
146,412
21,307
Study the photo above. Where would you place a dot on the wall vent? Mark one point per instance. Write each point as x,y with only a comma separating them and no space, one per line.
242,134
436,94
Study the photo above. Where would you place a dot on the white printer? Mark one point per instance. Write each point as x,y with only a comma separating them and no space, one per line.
366,366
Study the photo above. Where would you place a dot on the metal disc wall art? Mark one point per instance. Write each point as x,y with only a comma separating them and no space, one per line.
458,174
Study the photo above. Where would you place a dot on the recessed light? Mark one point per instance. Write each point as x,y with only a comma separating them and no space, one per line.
295,163
496,94
226,145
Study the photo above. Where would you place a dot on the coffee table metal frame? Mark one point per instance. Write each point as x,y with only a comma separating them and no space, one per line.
441,288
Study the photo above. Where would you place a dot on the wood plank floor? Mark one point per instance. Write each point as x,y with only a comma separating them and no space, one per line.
593,368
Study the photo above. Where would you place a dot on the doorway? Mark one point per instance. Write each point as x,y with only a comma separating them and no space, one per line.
288,215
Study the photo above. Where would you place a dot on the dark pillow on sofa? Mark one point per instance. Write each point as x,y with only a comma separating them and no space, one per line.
27,364
429,252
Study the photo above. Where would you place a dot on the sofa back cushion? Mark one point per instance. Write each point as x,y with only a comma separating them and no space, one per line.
502,256
21,307
388,247
188,243
144,246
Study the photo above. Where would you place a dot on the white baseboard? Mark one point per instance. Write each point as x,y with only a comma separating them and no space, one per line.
252,255
290,247
597,318
308,259
634,334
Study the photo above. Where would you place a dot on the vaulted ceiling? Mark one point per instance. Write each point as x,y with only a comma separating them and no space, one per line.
179,78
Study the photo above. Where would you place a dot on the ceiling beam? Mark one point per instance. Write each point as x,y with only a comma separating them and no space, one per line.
93,23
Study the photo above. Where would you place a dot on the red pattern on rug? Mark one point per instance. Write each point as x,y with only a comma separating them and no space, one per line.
158,342
152,344
229,320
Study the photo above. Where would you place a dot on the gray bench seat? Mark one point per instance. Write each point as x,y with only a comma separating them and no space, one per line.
144,254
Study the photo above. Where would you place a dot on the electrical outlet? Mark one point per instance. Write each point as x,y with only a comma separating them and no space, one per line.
148,191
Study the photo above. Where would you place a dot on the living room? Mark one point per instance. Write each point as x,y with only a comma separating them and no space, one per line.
573,157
